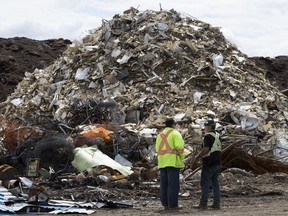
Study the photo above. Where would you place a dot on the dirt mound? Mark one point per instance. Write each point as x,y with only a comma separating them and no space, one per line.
276,70
19,54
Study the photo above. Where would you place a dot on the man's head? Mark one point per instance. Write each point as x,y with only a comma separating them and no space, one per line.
169,122
210,124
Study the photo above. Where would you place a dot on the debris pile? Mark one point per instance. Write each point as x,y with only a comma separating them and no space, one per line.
147,65
109,94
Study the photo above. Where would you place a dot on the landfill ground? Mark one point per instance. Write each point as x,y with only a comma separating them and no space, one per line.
232,206
274,205
241,195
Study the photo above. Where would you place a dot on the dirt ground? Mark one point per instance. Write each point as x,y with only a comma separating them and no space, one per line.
241,194
232,206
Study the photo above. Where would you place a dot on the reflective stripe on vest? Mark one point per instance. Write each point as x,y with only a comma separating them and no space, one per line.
216,145
164,142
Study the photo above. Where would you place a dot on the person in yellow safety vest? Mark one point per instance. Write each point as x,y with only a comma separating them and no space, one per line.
170,155
211,166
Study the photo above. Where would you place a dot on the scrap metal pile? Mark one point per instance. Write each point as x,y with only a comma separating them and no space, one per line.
128,75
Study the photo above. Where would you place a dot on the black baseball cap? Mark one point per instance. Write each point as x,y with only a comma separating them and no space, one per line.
209,122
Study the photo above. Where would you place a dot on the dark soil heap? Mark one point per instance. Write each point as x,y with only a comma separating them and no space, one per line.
276,70
19,54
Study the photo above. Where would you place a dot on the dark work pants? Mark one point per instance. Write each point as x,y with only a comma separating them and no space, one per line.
210,177
169,186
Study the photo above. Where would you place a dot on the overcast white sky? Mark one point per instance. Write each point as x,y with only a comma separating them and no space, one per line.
257,27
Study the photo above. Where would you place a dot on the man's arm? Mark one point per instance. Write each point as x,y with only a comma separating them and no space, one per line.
203,152
208,142
178,142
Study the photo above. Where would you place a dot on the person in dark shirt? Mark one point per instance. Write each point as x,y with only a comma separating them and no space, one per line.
211,166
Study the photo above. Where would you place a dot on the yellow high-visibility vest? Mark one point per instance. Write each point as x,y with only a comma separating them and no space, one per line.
170,149
216,145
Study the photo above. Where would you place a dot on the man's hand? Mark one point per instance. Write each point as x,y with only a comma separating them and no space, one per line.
203,152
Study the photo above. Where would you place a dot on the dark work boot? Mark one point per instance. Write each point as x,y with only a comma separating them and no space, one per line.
215,207
200,207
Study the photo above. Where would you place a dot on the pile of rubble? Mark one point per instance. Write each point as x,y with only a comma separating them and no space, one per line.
111,91
148,65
